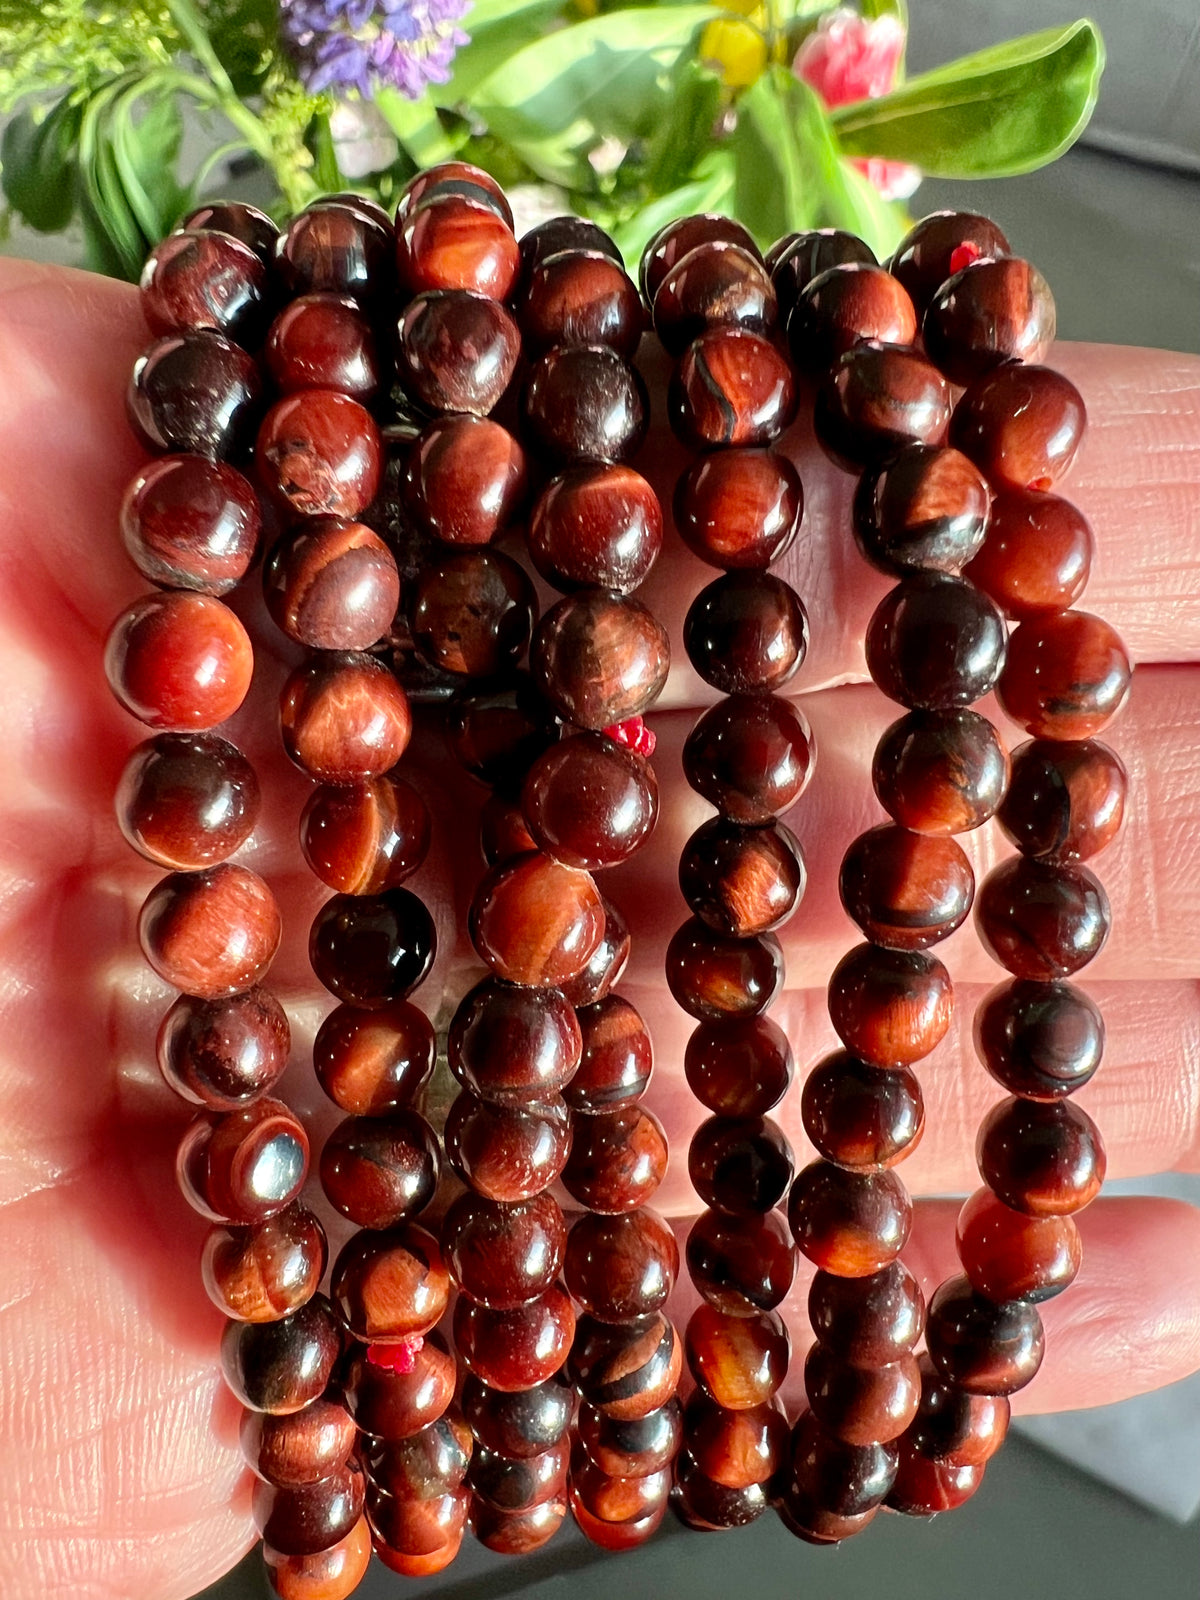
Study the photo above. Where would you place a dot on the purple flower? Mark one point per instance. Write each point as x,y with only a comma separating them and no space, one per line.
372,44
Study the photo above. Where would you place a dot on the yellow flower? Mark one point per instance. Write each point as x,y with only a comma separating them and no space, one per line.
736,49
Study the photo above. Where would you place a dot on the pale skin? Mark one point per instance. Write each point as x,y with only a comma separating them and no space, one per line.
119,1473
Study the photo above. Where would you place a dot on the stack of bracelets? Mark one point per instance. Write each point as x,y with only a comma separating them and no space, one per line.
328,393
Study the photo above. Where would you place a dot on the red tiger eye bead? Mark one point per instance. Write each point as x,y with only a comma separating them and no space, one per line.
497,734
247,223
935,641
608,962
746,633
617,1161
924,509
456,351
1065,801
300,1448
730,388
453,177
1008,1255
323,341
502,830
472,613
396,1401
517,1533
1040,1040
306,1521
924,1487
338,248
862,1116
210,933
516,1483
614,1499
597,523
625,1369
263,1272
1067,675
224,1053
890,1007
1041,919
191,523
703,1503
990,312
869,1321
366,837
450,241
1020,425
953,1427
600,658
536,922
621,1267
1043,1158
740,1164
506,1152
739,1066
583,402
372,949
803,1517
418,1566
559,234
739,508
187,800
877,399
344,718
716,285
465,479
504,1255
390,1285
589,802
739,880
862,1405
319,453
845,305
924,258
245,1165
906,890
751,756
629,1449
194,392
736,1448
1037,555
520,1424
379,1170
739,1361
847,1479
796,259
849,1223
516,1348
427,1463
940,771
510,1042
281,1367
713,976
179,660
580,297
373,1062
678,238
741,1265
980,1346
331,1574
616,1060
332,585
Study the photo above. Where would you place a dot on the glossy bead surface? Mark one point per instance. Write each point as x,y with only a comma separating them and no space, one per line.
456,351
536,922
517,1533
465,479
956,1428
746,633
502,830
366,837
584,403
738,1361
472,613
923,1487
990,312
1067,676
614,1499
379,1170
862,1405
600,658
617,1161
877,399
395,1400
625,1369
621,1267
557,234
930,251
427,1463
862,1116
890,1007
187,800
982,1347
261,1273
323,341
450,241
847,1479
1037,555
617,1535
713,976
194,392
191,523
869,1321
282,1366
751,756
804,256
741,1265
906,890
372,949
1020,425
629,1449
1065,801
803,1517
940,771
739,880
739,508
716,285
305,1521
730,388
1040,1040
1042,920
849,1223
344,718
590,802
845,305
677,239
597,523
607,963
703,1503
580,297
1009,1255
210,933
504,1255
337,248
497,734
515,1483
736,1448
319,454
224,1053
616,1059
390,1285
507,1152
331,1574
520,1424
1045,1158
740,1164
245,222
332,585
935,641
179,660
740,1066
419,1566
453,177
924,509
373,1062
302,1447
519,1347
513,1042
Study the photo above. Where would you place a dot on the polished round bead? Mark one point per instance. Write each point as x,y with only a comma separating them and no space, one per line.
614,1499
625,1369
580,297
210,933
450,241
191,523
890,1007
332,585
849,1223
344,718
302,1447
1042,920
741,1265
805,1519
616,1535
187,800
739,508
597,523
736,1448
263,1272
1037,555
520,1424
243,1166
713,976
497,734
1044,1158
453,177
600,658
590,802
1040,1040
632,1448
940,245
751,756
739,1066
424,1565
516,1348
607,963
862,1116
1065,801
1067,675
716,285
621,1267
224,1053
730,388
980,1346
372,949
179,660
704,1504
247,223
517,1533
456,351
390,1285
536,922
397,1390
308,1520
364,838
845,305
330,1574
617,1161
282,1366
507,1152
861,1405
924,509
847,1479
472,613
1020,425
956,1428
940,771
741,880
502,830
992,311
739,1361
372,1062
379,1170
801,257
194,392
868,1321
678,238
616,1059
747,633
559,234
323,341
584,402
515,1483
935,641
1009,1255
427,1463
502,1256
510,1042
319,454
877,399
906,890
740,1165
465,479
923,1487
337,248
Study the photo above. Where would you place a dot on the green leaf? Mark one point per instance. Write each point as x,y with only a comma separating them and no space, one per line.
710,190
1002,111
115,242
498,29
39,165
145,151
245,36
685,134
417,126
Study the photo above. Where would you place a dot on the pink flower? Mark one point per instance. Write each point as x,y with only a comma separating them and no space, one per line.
848,57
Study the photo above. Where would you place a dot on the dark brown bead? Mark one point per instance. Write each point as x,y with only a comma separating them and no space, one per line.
187,800
224,1053
982,1347
607,963
580,297
1009,1255
940,771
616,1060
740,1164
632,1448
502,830
1042,920
739,1361
746,633
472,613
451,241
513,1042
703,1503
847,1479
940,245
515,1483
363,838
740,1066
397,1390
990,312
210,933
302,1447
1021,426
557,234
1067,675
801,257
1040,1040
845,305
861,1405
179,660
716,285
338,248
504,1255
332,585
924,509
803,1517
736,1448
751,756
906,890
517,1533
584,403
244,222
846,1222
426,1464
520,1424
1065,801
456,351
536,922
713,976
590,802
370,949
194,392
730,388
519,1347
621,1267
953,1427
418,1566
871,1321
453,177
373,1062
600,658
923,1487
391,1285
741,1265
1037,555
191,523
617,1161
308,1520
323,341
264,1272
625,1369
890,1007
418,1528
598,523
497,734
319,454
935,641
739,508
1045,1158
615,1499
878,399
282,1366
677,239
379,1170
344,718
465,479
507,1152
862,1116
742,880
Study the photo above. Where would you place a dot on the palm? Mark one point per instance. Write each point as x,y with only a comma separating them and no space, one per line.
121,1468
